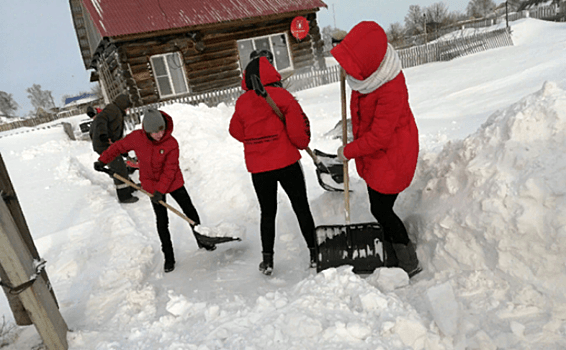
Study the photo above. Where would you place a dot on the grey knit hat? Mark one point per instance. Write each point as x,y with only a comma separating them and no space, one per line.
153,121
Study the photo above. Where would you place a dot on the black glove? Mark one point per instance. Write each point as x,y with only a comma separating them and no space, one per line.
99,166
157,196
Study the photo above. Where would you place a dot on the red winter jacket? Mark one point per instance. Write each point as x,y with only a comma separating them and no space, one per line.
158,160
269,144
386,143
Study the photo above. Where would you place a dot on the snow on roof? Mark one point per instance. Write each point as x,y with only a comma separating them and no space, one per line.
79,100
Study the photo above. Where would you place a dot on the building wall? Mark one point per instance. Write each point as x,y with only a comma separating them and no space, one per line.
125,65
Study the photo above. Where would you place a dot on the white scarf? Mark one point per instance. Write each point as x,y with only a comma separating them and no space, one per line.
388,69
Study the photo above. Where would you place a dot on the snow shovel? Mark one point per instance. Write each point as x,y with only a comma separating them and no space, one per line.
358,245
329,169
203,239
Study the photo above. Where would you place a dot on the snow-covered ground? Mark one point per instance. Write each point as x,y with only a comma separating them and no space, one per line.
487,209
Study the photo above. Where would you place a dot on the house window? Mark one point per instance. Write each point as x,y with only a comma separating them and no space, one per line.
276,43
169,74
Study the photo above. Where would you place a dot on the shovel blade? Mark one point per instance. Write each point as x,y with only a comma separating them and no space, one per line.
358,245
329,171
207,240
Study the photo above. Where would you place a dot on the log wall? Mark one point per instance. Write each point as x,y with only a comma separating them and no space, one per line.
211,60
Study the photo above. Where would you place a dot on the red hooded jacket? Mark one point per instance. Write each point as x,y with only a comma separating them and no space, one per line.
269,144
386,143
158,160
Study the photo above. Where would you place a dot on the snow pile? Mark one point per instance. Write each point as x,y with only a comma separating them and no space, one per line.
491,213
334,309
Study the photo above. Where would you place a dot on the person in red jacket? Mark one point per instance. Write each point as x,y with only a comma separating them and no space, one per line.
386,144
271,151
157,152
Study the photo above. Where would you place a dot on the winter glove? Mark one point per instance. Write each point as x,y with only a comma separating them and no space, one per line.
157,197
100,166
340,153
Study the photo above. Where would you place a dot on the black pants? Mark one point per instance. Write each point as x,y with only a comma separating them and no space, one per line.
292,180
123,191
381,206
181,196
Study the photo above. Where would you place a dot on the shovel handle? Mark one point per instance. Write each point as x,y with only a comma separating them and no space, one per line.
131,184
260,90
344,142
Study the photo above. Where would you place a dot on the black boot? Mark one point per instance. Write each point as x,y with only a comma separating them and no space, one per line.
266,266
390,256
313,257
169,261
407,257
169,266
125,195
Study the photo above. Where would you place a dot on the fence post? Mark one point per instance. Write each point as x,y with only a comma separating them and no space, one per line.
11,199
36,304
18,264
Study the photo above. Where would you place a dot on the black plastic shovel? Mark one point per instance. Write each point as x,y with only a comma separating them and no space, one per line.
359,245
203,239
329,170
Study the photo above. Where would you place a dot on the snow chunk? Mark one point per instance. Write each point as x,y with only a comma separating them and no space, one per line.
444,308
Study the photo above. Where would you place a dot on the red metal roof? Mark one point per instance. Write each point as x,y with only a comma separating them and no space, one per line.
122,17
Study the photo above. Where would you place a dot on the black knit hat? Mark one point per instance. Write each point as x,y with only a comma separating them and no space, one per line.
259,53
90,112
153,121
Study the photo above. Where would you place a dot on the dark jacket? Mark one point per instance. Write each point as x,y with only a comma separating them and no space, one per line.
158,160
386,140
269,144
108,126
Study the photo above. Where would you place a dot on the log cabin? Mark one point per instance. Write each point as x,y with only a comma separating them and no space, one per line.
159,50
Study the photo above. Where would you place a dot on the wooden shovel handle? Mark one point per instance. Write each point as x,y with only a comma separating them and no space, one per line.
344,142
281,116
131,184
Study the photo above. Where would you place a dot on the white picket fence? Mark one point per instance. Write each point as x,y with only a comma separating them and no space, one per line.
295,82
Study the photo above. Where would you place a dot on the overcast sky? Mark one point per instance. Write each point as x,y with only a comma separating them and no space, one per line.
38,44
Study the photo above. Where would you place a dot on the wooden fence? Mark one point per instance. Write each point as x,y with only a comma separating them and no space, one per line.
447,50
31,122
549,13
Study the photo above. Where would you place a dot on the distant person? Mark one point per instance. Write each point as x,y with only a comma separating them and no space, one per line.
386,140
107,128
158,156
271,151
92,112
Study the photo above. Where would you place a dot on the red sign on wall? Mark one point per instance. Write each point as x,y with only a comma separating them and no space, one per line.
300,27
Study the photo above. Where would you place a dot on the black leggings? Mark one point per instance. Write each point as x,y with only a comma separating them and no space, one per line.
292,180
181,196
381,206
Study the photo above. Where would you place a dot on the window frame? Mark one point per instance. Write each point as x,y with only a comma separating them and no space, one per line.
169,75
269,37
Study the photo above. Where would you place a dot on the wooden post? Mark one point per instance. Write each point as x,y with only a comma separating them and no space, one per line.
507,13
20,314
18,264
69,130
10,198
